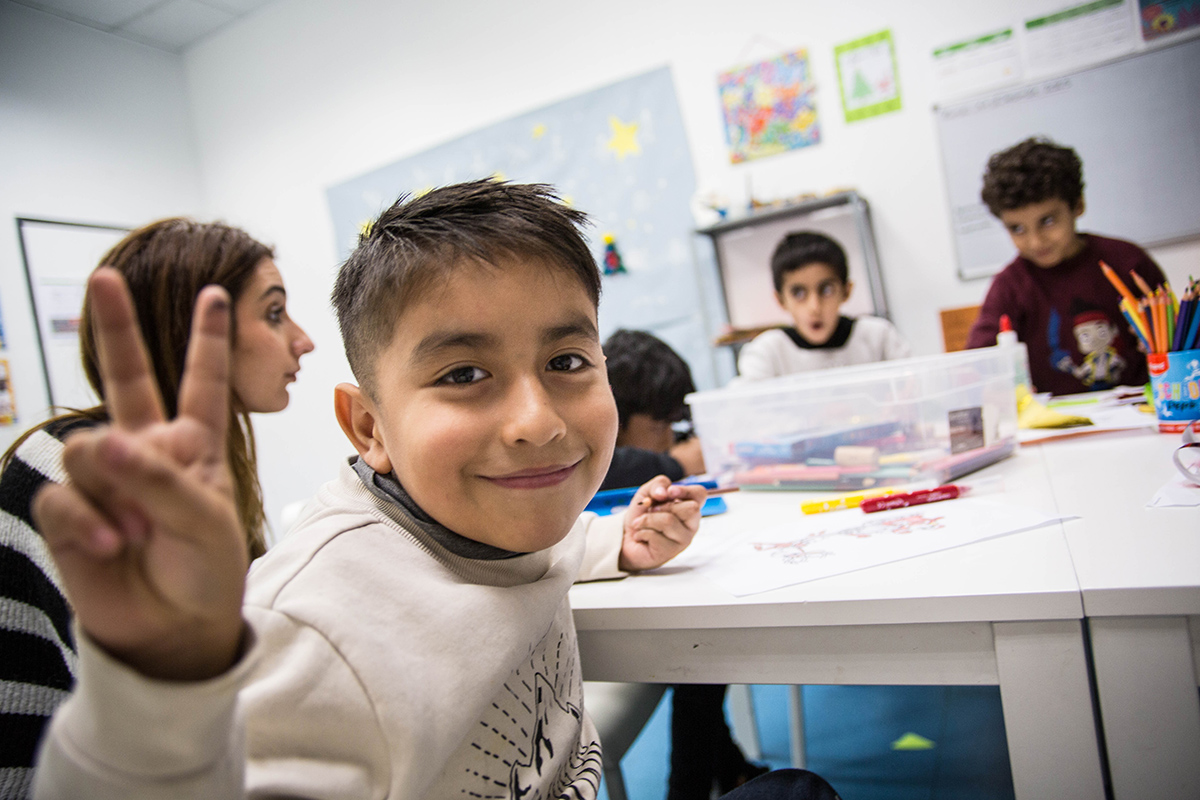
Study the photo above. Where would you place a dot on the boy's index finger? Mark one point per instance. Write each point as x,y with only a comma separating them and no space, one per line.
204,390
130,390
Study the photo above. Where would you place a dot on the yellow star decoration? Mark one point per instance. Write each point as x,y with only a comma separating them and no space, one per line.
624,139
539,131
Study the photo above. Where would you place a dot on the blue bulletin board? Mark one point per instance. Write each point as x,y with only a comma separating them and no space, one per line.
619,153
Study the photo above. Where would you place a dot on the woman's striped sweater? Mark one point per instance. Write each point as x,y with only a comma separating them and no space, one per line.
37,651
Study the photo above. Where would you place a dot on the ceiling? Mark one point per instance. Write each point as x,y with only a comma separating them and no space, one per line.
171,25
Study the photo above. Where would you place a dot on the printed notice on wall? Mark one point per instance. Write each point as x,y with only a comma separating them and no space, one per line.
1079,35
867,76
60,302
991,61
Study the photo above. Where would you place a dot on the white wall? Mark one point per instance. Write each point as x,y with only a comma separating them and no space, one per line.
92,129
307,94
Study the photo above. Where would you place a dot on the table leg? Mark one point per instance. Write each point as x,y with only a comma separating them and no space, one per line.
1048,715
1149,703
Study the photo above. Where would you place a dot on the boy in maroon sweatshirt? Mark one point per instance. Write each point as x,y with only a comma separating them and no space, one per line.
1059,301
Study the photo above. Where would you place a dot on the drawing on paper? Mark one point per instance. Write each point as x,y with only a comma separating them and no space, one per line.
867,76
807,548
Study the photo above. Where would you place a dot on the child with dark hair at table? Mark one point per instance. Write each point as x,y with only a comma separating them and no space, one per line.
1054,292
649,382
812,283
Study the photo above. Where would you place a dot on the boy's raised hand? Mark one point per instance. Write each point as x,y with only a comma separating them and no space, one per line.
146,535
660,523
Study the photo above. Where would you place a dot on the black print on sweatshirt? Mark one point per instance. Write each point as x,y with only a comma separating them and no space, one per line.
520,735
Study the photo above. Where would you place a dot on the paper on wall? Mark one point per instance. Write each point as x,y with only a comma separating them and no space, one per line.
977,64
1079,35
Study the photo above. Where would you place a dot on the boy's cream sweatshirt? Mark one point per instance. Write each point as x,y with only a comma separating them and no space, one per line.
773,354
382,666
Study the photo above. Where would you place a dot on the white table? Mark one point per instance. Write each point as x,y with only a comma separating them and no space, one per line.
1139,572
1006,612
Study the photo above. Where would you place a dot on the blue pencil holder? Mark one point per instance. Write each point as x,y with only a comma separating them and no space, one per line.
1175,384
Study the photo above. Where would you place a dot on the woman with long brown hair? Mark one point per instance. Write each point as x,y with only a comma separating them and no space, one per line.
165,265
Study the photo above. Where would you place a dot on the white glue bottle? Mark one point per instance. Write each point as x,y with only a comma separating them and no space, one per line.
1007,338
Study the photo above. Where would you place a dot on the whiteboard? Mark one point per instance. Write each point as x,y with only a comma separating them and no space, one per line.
1135,124
59,257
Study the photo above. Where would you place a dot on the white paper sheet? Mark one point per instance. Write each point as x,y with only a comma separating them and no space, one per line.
822,545
1177,492
1078,35
975,65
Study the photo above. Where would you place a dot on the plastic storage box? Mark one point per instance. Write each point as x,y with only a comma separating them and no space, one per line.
934,417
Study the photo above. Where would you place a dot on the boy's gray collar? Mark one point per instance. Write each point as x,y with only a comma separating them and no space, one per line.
388,489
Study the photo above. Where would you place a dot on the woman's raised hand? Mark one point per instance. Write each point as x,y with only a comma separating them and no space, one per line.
146,534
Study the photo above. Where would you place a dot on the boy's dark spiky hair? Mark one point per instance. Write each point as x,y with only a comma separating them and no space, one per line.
419,241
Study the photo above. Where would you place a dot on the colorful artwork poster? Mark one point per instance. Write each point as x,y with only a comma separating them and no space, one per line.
867,76
769,107
1166,17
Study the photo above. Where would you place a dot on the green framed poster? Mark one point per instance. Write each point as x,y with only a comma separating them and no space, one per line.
867,76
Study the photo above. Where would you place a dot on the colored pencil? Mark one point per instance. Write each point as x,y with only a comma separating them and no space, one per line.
1171,294
1136,324
1186,315
1192,340
1141,283
1160,322
1170,308
1117,283
1137,321
1181,322
711,493
1147,310
1164,303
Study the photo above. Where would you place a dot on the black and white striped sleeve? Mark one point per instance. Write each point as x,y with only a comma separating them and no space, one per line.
37,651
